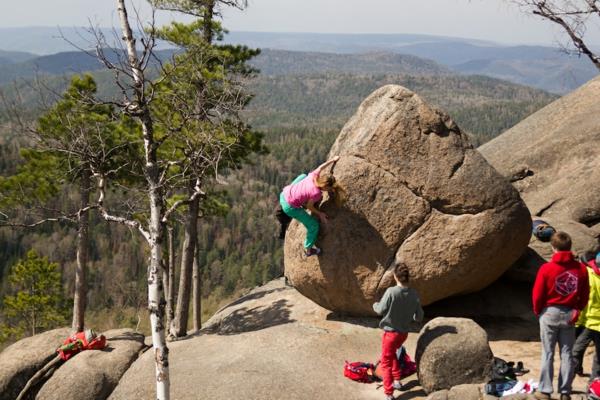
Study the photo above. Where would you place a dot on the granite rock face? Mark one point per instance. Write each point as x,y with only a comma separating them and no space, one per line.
553,159
21,360
93,374
418,193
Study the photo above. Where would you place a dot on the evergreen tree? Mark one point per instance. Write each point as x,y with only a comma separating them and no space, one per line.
37,303
202,97
74,139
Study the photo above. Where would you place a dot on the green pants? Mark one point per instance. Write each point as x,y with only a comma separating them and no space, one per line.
310,223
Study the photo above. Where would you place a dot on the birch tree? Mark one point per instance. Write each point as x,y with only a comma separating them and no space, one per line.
184,141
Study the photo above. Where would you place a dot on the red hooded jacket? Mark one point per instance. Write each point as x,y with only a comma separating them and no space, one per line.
561,282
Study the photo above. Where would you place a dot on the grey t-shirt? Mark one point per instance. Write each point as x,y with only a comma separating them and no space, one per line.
399,306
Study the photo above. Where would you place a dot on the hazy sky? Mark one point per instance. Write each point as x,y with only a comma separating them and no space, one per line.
496,20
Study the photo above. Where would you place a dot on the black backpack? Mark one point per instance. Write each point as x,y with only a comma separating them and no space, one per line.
502,370
284,220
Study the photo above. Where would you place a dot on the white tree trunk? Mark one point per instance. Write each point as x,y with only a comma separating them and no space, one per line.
156,303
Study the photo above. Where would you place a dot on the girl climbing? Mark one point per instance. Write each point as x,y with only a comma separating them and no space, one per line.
304,193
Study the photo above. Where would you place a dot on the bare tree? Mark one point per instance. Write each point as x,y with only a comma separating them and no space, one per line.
575,17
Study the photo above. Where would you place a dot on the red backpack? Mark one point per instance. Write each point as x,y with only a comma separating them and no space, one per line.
594,390
86,340
360,371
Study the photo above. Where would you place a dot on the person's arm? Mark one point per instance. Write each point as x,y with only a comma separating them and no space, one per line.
539,292
584,294
310,205
382,306
326,164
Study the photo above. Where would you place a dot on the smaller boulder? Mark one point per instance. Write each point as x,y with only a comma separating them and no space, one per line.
21,360
465,392
93,374
439,395
452,352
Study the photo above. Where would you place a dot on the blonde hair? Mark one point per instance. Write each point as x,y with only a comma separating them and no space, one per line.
329,183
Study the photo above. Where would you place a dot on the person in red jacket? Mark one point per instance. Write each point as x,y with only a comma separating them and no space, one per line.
560,292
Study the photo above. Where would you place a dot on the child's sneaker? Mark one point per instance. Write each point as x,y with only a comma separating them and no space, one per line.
397,385
312,251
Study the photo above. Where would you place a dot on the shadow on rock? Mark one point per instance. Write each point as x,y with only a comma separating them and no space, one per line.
503,309
411,390
253,319
364,321
252,296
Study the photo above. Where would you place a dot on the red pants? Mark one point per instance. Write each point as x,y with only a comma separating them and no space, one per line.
390,368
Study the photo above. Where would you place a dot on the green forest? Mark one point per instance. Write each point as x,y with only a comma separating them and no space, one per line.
299,115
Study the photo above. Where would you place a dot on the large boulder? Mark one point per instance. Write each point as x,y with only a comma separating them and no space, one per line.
417,192
553,159
451,352
21,360
94,374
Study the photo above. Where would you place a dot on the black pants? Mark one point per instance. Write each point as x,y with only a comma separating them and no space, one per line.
584,338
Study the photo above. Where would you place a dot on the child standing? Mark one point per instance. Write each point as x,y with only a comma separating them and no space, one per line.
399,306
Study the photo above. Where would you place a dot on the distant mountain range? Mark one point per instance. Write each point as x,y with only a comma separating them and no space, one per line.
270,62
282,62
538,66
543,67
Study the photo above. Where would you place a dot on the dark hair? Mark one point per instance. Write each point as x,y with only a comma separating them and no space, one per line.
587,256
561,241
401,272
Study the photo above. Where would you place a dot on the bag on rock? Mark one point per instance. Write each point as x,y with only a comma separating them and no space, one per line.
502,370
594,390
86,340
284,220
542,230
498,387
360,371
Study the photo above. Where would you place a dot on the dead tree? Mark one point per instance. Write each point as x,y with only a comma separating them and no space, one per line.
575,17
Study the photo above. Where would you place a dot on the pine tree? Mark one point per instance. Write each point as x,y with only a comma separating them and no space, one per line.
203,97
74,139
38,302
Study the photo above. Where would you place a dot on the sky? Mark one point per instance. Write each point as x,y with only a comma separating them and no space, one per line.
494,20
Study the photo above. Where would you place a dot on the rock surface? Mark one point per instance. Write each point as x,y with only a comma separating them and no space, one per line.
451,352
460,392
21,360
417,193
273,343
93,374
559,145
276,344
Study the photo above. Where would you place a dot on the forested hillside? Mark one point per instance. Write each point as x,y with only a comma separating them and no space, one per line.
300,114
